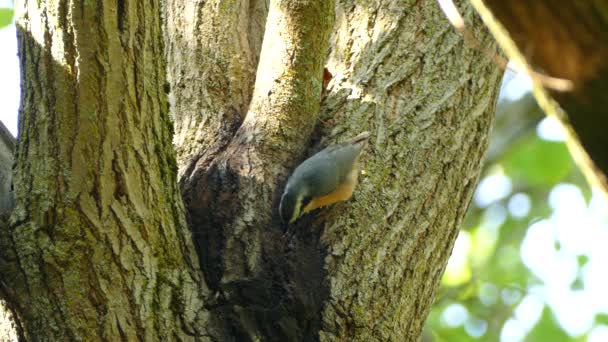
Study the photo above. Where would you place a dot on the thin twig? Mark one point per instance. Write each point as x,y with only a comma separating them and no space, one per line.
454,17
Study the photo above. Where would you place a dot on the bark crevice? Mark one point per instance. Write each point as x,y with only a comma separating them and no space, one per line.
231,194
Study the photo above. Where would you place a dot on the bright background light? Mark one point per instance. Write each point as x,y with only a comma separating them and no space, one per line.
562,247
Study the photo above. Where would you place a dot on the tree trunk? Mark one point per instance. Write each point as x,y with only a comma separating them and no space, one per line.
7,150
567,41
212,50
232,196
97,248
401,72
363,270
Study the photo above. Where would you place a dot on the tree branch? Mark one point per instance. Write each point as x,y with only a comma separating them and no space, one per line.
212,50
566,40
232,202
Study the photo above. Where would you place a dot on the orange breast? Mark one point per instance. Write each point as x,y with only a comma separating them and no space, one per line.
342,193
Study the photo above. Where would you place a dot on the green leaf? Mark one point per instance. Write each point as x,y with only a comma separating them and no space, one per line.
538,162
601,319
577,284
582,260
547,329
6,16
454,334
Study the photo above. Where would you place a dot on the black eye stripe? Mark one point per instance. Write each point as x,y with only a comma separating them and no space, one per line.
305,201
286,207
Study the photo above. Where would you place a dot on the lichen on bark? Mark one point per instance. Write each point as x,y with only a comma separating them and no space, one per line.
402,73
98,246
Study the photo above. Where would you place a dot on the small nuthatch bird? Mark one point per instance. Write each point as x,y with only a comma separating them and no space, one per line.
327,177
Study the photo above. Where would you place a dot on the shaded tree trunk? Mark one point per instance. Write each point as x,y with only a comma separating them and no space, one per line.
97,246
7,150
568,41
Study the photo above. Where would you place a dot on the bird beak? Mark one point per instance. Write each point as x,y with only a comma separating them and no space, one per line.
361,138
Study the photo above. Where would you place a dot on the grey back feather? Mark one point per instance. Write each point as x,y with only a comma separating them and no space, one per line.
337,161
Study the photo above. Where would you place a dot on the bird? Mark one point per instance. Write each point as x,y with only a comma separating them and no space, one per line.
327,177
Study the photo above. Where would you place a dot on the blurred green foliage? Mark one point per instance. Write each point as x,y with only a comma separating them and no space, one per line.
537,163
547,329
484,287
6,17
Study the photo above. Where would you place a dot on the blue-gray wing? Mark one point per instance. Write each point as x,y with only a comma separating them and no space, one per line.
345,156
319,174
322,173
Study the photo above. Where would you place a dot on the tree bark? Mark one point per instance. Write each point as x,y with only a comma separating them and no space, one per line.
567,41
232,197
367,269
212,50
402,73
98,247
7,151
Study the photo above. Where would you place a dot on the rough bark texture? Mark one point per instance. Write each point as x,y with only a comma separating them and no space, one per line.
367,269
567,40
212,50
8,328
95,249
97,246
231,198
401,72
7,151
